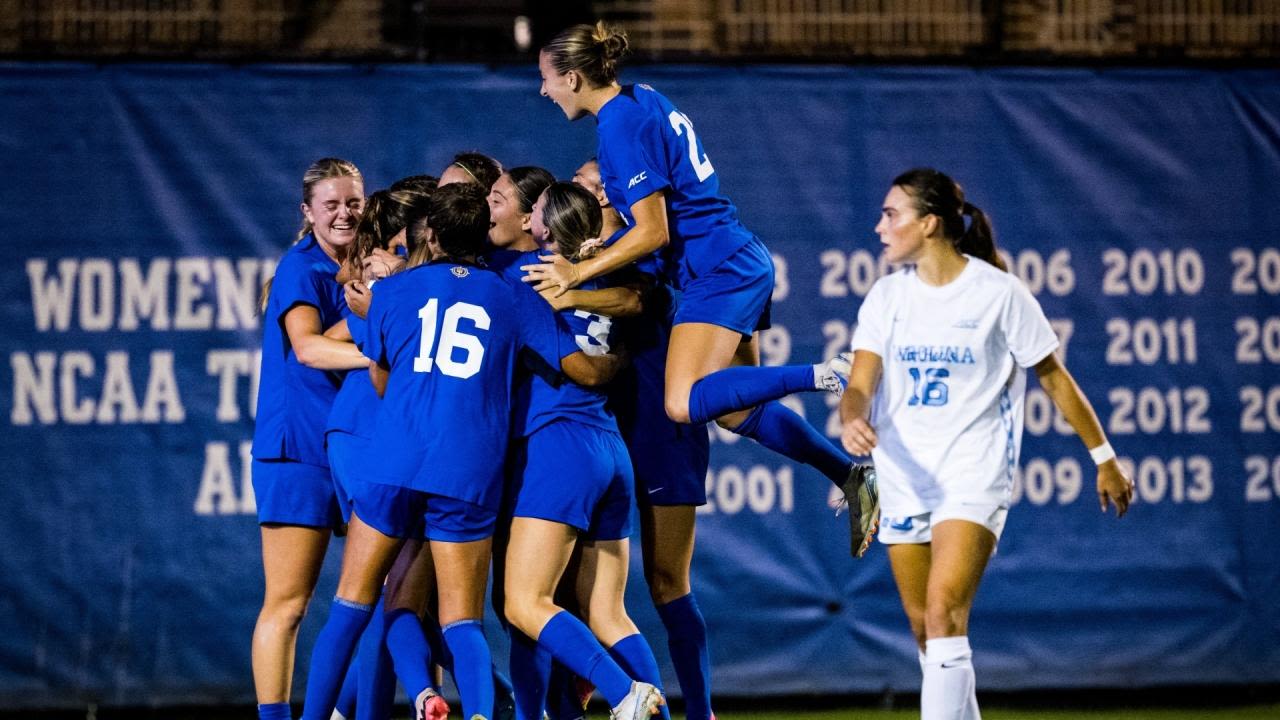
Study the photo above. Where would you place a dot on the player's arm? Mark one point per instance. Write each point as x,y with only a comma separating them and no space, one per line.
306,336
591,370
1058,384
623,301
340,331
378,375
648,235
857,435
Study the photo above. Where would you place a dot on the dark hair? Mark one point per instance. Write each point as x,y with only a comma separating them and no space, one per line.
421,183
572,215
386,212
481,168
416,230
530,181
935,193
458,214
593,51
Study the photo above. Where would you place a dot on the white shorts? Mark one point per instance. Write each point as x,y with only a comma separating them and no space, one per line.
918,529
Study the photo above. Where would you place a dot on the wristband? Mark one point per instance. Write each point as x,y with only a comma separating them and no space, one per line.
1102,453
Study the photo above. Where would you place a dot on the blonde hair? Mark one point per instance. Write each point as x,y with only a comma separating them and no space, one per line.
320,170
573,220
593,51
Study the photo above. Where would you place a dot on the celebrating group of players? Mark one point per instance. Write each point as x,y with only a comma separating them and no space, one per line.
493,367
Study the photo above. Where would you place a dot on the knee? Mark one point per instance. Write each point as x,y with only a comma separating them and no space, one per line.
666,584
945,616
286,610
521,610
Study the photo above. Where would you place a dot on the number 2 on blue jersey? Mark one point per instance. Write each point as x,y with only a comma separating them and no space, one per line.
451,339
701,165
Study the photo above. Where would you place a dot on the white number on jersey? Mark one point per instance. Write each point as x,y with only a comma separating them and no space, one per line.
701,165
596,341
450,339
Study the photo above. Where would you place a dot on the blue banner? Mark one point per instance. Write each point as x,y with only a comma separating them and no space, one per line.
147,204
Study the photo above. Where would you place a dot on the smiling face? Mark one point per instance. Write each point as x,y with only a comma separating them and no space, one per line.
901,229
561,89
333,210
507,224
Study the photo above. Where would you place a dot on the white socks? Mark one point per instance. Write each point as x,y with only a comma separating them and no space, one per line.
947,692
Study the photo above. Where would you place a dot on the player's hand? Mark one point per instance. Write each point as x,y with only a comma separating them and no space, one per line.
1114,487
858,437
380,263
358,298
553,273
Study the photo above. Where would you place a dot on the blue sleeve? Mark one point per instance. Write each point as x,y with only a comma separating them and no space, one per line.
297,283
358,327
634,148
541,329
372,343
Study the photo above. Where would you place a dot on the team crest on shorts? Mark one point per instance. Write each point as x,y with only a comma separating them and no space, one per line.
459,271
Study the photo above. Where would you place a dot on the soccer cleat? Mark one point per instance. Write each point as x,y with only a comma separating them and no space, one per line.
584,689
639,704
430,706
862,500
833,375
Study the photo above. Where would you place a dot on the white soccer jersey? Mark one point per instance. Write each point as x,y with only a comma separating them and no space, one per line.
948,411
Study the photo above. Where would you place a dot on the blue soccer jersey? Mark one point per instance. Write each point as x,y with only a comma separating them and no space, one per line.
294,400
453,336
539,402
646,145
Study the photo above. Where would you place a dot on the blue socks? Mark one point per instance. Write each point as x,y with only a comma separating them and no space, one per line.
408,648
530,676
687,640
738,388
570,642
376,691
472,666
274,711
331,655
776,427
346,704
635,656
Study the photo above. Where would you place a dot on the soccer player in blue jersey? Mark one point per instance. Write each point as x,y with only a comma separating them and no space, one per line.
558,503
447,339
369,689
511,207
670,462
300,375
658,176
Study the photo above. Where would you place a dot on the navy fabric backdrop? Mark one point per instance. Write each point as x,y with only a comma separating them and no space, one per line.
146,204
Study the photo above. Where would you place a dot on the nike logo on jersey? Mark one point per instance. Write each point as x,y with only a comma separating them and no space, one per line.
638,179
654,490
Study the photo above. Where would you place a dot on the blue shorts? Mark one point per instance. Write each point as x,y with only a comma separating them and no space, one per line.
670,462
735,294
578,475
294,493
348,454
406,513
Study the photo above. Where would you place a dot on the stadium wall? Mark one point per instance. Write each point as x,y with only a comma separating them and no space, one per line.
146,204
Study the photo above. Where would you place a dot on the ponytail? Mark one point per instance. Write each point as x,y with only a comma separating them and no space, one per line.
978,239
935,193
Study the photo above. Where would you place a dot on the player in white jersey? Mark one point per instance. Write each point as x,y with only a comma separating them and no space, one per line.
936,398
